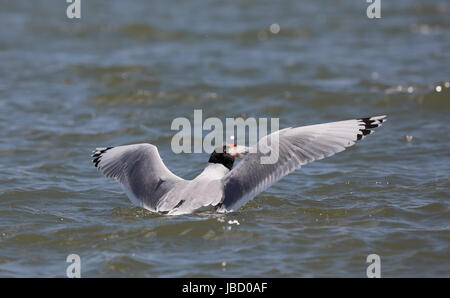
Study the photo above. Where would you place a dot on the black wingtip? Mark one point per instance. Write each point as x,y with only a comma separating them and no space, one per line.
369,124
97,155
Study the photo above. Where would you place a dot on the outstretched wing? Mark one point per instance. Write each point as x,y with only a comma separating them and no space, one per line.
296,147
139,169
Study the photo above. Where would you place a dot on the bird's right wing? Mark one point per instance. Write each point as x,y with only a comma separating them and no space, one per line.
139,169
296,147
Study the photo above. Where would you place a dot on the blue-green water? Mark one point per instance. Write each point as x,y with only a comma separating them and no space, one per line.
126,69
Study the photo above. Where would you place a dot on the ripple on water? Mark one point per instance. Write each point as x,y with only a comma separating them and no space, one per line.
117,76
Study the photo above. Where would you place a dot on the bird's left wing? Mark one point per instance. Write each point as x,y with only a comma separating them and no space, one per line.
295,147
139,169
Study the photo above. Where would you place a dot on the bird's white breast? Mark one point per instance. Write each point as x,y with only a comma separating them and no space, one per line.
213,172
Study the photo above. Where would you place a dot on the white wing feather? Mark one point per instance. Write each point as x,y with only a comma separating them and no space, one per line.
297,146
139,169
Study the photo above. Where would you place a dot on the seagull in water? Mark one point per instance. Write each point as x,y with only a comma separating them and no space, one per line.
150,184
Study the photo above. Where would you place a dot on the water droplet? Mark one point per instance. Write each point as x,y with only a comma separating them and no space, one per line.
275,28
233,222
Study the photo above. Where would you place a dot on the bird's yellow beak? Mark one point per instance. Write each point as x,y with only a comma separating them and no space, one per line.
237,150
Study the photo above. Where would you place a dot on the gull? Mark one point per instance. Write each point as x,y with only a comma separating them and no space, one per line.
148,183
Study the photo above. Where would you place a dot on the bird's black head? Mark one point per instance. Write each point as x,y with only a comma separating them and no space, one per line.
222,157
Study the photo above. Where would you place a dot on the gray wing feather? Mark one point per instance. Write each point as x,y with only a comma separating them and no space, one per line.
139,169
297,146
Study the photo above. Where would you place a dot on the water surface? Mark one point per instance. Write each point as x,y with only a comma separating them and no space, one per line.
123,72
